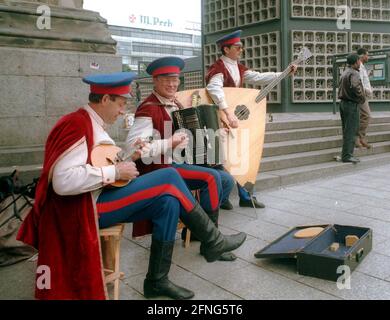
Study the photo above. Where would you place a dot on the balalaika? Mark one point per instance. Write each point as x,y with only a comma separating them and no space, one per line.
203,124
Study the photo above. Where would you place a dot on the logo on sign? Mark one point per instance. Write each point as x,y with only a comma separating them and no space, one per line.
151,21
132,18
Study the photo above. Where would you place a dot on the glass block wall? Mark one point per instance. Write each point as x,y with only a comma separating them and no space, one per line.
314,80
310,23
262,50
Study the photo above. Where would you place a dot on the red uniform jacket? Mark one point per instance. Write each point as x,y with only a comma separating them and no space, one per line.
151,108
219,67
65,228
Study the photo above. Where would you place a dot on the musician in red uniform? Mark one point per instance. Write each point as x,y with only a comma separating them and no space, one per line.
72,202
153,117
228,72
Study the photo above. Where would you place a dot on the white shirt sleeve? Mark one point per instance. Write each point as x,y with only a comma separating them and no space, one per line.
260,78
366,81
72,175
215,90
143,128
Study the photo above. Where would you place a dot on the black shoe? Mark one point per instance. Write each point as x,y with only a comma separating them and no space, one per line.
227,205
353,160
213,217
157,283
213,242
166,288
221,250
226,256
249,204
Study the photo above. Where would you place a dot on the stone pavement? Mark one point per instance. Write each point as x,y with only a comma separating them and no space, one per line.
361,199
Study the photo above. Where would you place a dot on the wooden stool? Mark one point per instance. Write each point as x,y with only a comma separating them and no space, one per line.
110,239
180,225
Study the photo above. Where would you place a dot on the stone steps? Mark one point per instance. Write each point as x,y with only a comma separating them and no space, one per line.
318,156
294,151
26,173
289,176
316,123
316,132
298,151
312,144
21,156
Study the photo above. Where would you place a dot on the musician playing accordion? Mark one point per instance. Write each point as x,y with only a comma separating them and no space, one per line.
228,72
154,118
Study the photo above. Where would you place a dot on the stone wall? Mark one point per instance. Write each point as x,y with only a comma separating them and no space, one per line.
37,87
78,4
63,27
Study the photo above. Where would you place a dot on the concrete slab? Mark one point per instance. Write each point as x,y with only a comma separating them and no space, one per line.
203,289
254,283
317,200
17,281
285,219
134,258
192,261
325,192
379,227
382,247
263,230
363,287
128,293
251,278
372,212
376,265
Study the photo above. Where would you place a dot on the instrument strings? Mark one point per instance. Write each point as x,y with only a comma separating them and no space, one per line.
273,83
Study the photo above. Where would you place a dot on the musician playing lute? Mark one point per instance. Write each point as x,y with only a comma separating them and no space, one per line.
228,72
154,115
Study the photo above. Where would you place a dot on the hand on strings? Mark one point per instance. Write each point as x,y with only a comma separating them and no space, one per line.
126,171
179,140
294,69
142,147
233,120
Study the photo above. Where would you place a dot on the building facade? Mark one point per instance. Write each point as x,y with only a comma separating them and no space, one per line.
138,47
274,31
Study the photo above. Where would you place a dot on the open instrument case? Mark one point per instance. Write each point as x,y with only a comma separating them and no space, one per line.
314,257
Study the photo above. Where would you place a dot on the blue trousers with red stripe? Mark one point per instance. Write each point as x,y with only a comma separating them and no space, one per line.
214,185
161,196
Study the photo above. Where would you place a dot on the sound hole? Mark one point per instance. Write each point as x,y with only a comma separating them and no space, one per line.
242,112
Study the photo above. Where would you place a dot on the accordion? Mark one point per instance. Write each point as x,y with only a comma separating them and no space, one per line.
201,124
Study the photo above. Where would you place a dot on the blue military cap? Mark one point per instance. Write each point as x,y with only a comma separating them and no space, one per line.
113,83
165,66
230,39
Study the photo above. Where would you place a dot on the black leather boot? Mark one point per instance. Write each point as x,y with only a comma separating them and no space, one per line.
213,242
227,205
214,218
226,256
157,283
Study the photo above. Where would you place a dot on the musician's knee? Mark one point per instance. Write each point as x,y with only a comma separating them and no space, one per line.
227,180
170,208
169,175
172,177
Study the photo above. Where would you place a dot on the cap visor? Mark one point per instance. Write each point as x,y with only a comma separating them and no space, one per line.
168,74
126,95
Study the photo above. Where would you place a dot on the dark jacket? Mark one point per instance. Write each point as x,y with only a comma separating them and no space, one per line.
351,87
